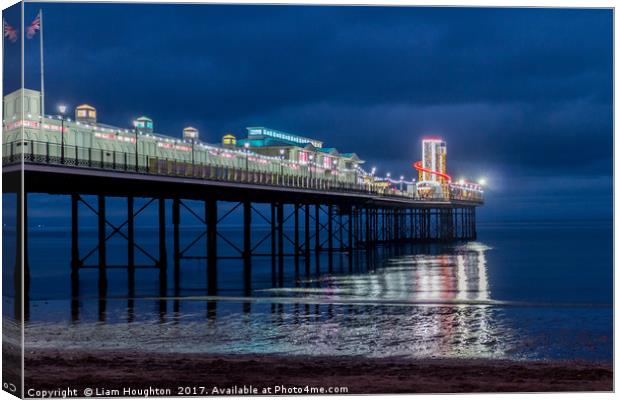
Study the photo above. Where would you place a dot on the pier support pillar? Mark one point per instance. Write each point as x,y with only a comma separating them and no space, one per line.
103,279
75,250
317,228
367,227
163,254
307,230
473,223
273,243
131,266
247,246
296,233
280,228
176,222
462,234
21,270
397,224
75,258
350,227
211,219
411,224
101,225
330,231
427,224
384,223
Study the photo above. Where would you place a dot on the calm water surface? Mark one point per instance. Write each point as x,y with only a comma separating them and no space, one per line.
521,291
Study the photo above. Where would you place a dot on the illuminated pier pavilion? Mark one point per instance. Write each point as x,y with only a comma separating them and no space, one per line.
323,196
267,153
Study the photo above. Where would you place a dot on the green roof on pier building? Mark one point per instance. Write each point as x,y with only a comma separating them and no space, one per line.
273,142
262,135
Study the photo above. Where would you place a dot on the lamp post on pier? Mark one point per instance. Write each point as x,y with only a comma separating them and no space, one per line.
334,169
282,164
135,132
62,109
193,141
372,179
246,146
311,158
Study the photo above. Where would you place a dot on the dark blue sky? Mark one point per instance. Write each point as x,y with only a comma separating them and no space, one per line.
523,97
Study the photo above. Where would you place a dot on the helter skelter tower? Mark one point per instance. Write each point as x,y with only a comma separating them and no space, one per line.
432,176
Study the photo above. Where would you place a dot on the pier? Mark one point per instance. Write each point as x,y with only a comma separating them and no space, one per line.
316,199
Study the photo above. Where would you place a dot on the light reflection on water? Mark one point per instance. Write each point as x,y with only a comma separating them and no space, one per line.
414,278
414,305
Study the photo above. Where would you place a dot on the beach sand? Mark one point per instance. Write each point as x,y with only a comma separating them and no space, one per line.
52,369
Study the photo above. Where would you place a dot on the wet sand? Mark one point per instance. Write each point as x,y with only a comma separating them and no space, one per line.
52,369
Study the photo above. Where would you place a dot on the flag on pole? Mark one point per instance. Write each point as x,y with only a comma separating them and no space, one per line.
9,31
34,26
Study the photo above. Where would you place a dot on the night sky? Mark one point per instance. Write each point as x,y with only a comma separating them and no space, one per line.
523,97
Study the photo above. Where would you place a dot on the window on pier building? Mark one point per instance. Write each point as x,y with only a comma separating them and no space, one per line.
327,162
303,157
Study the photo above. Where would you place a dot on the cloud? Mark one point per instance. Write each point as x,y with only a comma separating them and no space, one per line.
515,92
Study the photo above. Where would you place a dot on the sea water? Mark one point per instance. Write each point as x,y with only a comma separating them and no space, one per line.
522,290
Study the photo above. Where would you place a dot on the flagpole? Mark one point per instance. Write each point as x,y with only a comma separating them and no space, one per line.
3,58
42,72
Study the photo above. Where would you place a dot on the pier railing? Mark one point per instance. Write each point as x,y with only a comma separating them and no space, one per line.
38,152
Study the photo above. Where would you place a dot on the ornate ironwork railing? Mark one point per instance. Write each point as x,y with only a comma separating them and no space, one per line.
37,152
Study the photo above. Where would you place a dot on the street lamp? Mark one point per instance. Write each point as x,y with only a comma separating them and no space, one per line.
246,146
311,157
372,178
135,132
281,162
62,108
193,141
401,182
